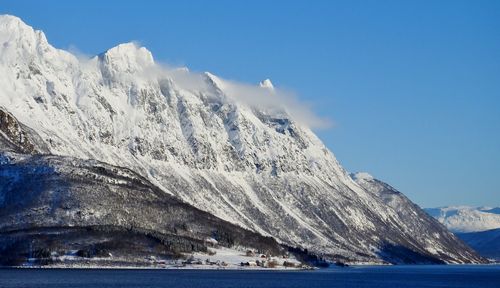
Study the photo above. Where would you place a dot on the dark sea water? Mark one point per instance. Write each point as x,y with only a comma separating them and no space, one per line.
397,276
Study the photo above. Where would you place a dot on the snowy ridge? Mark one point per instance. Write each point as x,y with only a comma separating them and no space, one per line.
224,147
464,219
418,222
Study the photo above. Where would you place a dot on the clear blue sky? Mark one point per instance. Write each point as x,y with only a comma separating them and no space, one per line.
413,87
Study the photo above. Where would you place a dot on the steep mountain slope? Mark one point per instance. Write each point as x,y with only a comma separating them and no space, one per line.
210,143
63,204
417,220
463,219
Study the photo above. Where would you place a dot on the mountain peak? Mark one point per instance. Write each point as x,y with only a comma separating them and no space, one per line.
267,84
128,58
214,81
129,55
7,20
14,30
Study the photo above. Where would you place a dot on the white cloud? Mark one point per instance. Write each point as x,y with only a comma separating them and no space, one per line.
277,100
270,99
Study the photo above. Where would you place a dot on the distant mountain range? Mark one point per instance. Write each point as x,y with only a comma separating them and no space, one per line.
477,226
464,219
119,145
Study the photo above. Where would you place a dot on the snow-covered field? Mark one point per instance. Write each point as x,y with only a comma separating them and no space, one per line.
232,258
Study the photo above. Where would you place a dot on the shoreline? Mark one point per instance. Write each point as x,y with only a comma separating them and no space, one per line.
234,268
207,268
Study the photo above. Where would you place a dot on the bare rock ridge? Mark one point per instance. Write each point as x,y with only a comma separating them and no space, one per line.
197,138
16,137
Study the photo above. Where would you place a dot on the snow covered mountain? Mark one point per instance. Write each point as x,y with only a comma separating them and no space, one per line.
418,221
479,227
226,148
463,219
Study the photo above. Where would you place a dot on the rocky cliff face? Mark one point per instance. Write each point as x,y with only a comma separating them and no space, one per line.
205,140
16,137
